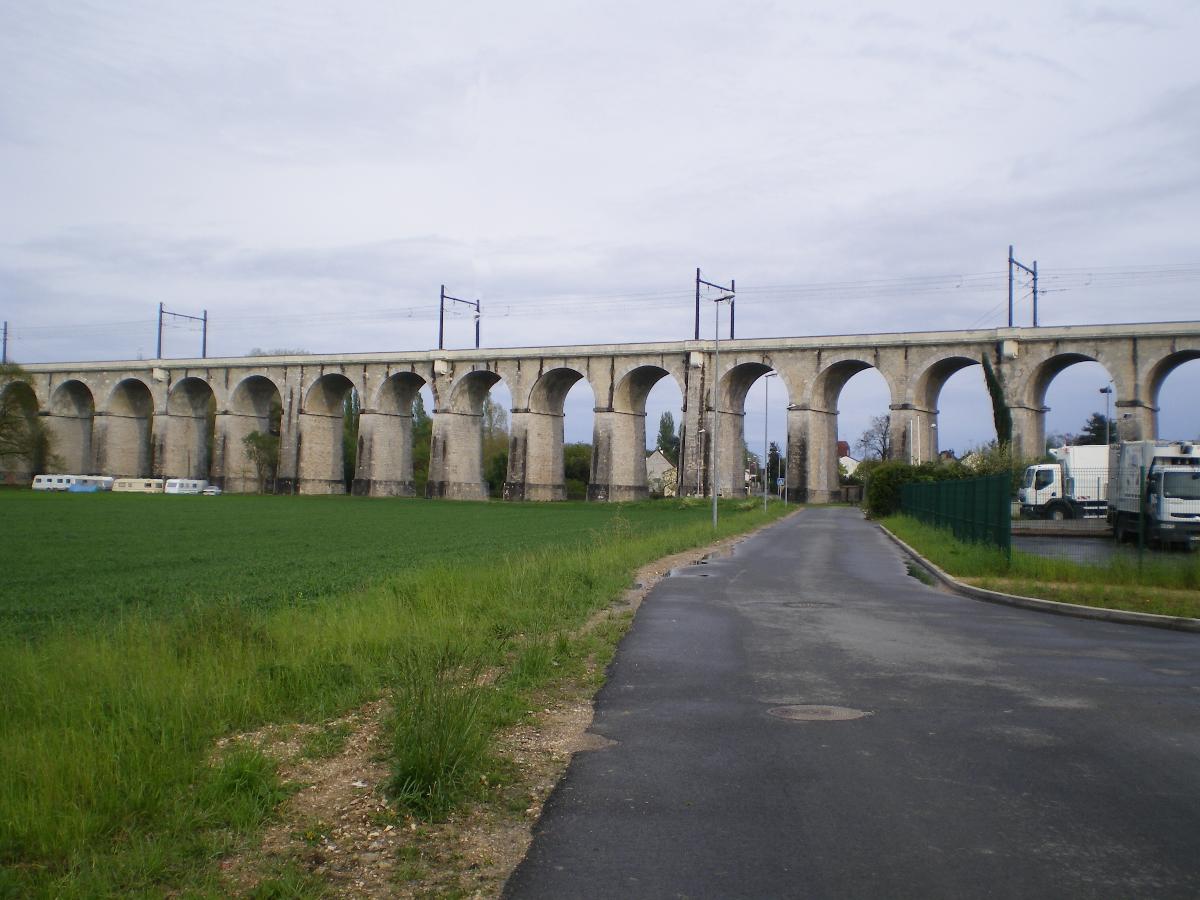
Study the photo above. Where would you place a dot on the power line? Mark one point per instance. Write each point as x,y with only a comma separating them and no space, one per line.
511,305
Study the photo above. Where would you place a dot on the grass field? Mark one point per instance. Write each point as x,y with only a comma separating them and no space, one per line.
138,630
1167,585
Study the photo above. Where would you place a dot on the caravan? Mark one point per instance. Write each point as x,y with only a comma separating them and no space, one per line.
79,484
185,486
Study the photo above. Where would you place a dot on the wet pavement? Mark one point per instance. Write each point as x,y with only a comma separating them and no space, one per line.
803,719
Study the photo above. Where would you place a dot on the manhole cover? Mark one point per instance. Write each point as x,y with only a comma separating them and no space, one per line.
817,713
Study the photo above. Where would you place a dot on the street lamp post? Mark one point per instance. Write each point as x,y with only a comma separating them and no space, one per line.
1107,391
715,442
766,431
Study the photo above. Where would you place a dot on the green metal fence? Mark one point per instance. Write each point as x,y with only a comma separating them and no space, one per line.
976,509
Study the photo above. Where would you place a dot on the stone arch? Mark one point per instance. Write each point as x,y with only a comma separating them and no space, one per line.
926,394
619,437
70,418
255,405
1158,375
728,421
456,453
933,378
322,453
20,400
125,431
535,454
1032,408
468,393
254,396
549,392
187,437
396,394
634,386
813,426
828,384
384,461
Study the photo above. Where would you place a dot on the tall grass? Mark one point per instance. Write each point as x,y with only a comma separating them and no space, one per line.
111,785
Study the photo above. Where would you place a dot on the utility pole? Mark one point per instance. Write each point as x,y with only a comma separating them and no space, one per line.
715,443
766,429
731,290
442,317
4,352
202,319
1030,271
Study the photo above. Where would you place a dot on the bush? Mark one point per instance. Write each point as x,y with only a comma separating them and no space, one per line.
883,482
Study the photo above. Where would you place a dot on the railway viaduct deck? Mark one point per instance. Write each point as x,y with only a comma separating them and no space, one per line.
152,417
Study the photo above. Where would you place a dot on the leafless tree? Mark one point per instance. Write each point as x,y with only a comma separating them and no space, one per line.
876,441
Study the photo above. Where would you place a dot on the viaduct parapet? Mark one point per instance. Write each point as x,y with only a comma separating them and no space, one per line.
152,417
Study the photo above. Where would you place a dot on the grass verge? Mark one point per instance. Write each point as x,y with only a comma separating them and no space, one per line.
1169,586
112,786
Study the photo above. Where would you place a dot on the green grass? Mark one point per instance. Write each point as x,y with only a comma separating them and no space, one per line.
1166,585
142,629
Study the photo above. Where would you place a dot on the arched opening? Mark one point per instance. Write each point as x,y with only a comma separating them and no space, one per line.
70,420
24,443
536,468
845,420
635,453
765,430
725,448
329,435
579,440
1174,387
188,432
955,410
127,427
248,436
862,404
1071,389
383,451
468,456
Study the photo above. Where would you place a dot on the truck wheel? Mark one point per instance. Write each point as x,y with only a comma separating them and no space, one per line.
1058,512
1119,533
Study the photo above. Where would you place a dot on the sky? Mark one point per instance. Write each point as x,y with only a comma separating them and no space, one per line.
311,173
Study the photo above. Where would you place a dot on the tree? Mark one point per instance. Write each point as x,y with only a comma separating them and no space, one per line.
495,445
422,437
876,441
577,469
1096,429
774,463
24,437
351,409
668,440
263,451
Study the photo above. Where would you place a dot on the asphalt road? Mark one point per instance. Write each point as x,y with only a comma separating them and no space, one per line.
1006,753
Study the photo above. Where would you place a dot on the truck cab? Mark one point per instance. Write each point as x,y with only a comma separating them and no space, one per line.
1173,504
1042,487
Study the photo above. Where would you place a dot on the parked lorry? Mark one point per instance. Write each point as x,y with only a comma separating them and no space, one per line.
1158,481
1074,486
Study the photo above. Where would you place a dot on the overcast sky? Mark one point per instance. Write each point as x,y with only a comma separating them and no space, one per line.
311,173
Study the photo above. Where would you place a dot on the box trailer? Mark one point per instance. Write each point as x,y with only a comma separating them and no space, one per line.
1155,485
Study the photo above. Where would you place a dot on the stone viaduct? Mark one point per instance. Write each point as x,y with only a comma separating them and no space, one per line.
152,417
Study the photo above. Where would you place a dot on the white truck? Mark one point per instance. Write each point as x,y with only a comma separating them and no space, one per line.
1160,481
1075,486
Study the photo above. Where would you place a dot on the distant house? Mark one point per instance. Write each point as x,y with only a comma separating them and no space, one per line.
661,476
845,460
